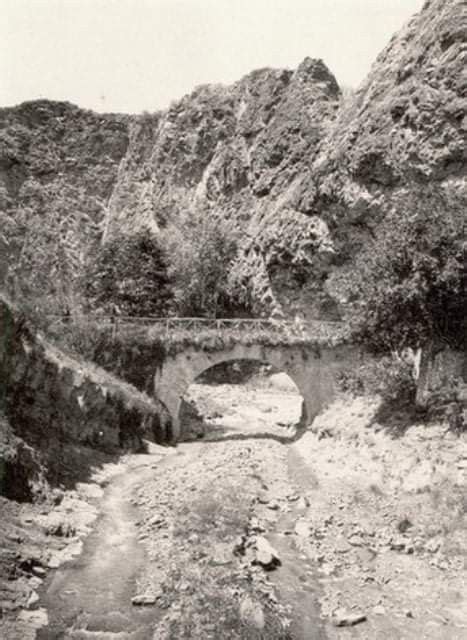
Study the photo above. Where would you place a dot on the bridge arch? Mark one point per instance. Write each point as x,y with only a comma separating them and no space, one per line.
311,368
295,414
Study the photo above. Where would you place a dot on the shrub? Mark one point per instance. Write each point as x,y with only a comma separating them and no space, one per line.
130,273
201,248
390,377
409,285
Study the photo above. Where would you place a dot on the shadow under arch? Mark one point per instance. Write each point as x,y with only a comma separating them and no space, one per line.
267,385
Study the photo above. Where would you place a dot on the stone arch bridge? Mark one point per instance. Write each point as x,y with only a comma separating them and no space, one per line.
312,355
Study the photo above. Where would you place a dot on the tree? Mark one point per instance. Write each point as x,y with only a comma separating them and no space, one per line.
131,273
409,285
201,247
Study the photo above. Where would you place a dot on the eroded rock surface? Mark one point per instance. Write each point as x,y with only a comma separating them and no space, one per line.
302,172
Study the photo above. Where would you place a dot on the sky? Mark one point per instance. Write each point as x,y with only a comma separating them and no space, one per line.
139,55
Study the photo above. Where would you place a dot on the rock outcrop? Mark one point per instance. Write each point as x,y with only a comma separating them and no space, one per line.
244,153
407,123
404,129
306,172
303,172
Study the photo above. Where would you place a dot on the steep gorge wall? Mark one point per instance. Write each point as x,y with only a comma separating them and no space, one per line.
242,153
404,129
305,174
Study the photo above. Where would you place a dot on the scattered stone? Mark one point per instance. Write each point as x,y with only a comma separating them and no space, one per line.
35,582
379,610
303,503
251,613
32,600
433,545
399,544
356,541
341,545
54,561
365,554
255,526
343,619
239,546
221,556
156,520
144,599
265,554
404,525
302,529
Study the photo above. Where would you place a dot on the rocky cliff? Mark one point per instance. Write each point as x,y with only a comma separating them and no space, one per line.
404,129
244,153
307,173
406,125
304,173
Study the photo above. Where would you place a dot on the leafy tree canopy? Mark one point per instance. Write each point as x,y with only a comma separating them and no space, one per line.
410,284
201,249
129,273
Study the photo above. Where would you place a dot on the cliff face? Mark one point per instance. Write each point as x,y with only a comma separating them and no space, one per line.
307,174
407,123
229,147
242,152
304,174
403,130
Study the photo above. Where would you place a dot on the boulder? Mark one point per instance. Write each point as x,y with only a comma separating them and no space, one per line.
265,554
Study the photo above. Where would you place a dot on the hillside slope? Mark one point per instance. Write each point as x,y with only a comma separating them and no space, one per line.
303,174
58,166
243,153
307,174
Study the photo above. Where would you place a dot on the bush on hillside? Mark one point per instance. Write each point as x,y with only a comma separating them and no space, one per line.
390,377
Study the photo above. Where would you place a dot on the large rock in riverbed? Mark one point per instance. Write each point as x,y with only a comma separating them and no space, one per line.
265,554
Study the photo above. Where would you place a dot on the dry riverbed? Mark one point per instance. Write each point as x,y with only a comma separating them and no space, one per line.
349,532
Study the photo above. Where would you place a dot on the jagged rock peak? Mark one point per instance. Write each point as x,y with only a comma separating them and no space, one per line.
314,70
408,120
